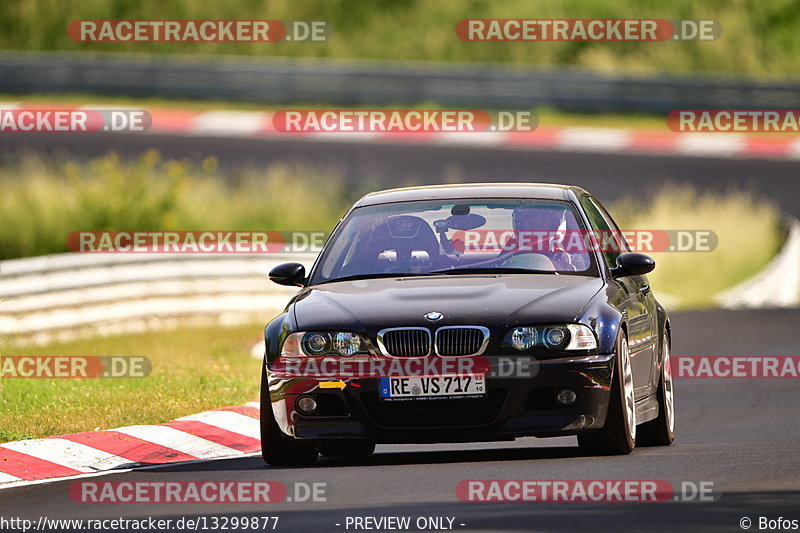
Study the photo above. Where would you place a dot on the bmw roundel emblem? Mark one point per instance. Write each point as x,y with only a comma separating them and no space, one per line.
434,315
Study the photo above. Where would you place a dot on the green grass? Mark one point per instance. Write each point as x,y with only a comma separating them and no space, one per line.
45,199
748,230
193,370
758,38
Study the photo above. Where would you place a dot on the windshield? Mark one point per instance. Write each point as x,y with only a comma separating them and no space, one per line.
456,236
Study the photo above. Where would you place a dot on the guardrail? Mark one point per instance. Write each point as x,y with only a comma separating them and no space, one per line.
777,284
64,296
289,81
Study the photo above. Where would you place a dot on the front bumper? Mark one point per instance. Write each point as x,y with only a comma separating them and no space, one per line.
512,407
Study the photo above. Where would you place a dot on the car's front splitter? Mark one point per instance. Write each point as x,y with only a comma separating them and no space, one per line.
512,407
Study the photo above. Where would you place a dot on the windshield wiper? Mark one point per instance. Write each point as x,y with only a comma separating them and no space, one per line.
491,270
376,275
447,272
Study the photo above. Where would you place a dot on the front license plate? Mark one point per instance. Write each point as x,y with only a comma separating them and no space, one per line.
396,388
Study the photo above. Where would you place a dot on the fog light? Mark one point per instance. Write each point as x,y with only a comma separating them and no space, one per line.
306,405
566,397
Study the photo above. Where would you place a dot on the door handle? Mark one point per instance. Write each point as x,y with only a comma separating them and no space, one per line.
644,289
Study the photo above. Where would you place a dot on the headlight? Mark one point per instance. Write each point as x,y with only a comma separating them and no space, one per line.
319,343
523,338
561,337
556,337
346,343
315,343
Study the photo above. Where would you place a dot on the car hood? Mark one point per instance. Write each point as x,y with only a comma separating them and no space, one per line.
489,300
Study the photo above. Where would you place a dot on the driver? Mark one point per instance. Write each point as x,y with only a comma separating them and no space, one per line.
552,220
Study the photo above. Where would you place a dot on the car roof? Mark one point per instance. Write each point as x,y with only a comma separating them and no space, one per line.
544,191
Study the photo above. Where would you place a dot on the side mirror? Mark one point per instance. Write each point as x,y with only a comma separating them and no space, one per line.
288,274
633,264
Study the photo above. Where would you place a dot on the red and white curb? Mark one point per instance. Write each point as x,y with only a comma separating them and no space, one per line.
258,125
214,434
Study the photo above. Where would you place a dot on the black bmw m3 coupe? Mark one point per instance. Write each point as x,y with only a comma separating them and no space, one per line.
459,313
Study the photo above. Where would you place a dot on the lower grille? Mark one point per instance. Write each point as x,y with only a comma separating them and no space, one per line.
543,398
460,340
434,412
405,342
330,405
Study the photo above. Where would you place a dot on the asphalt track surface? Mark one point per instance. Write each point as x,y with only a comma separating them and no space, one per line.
741,434
372,166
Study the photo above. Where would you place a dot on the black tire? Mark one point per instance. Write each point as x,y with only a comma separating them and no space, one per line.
661,430
346,448
276,448
618,436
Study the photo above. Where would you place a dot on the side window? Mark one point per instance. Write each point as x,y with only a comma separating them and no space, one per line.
611,240
345,241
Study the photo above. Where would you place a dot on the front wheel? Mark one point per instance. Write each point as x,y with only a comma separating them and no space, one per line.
618,436
276,448
661,430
